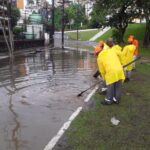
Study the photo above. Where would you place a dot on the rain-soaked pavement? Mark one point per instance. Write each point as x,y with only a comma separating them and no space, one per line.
38,94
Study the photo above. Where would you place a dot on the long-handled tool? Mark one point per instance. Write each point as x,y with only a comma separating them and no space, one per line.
80,94
139,57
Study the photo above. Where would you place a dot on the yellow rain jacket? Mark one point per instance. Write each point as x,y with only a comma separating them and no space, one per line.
117,49
110,66
128,53
105,46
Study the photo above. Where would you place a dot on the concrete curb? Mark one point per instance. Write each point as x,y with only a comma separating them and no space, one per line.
67,124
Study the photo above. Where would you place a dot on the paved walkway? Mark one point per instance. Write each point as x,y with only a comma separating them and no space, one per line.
99,34
84,30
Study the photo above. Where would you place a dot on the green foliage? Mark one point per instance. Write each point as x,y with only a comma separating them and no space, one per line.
115,34
92,129
75,15
105,36
58,19
17,30
31,1
144,6
83,35
114,13
137,30
118,14
15,16
98,17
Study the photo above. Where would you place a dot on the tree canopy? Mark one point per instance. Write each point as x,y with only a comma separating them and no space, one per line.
58,19
115,13
144,6
74,15
15,16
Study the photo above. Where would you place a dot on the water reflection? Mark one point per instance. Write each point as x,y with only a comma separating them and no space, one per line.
39,90
15,131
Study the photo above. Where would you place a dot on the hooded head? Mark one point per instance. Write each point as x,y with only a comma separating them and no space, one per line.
100,43
99,48
130,40
131,36
110,42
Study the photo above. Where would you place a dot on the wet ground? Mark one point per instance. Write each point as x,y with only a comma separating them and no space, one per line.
38,94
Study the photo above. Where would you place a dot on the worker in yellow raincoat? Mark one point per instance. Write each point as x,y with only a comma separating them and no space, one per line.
98,47
136,52
97,74
116,48
128,53
113,74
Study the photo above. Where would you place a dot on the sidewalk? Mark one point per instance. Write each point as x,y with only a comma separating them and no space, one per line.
84,30
100,33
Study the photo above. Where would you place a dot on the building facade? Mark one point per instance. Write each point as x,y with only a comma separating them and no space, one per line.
3,15
20,4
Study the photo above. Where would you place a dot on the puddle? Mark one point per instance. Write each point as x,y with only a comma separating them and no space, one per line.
38,94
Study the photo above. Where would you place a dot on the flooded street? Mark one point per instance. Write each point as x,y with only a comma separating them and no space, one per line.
38,93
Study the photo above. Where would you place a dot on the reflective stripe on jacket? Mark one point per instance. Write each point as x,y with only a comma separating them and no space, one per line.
110,66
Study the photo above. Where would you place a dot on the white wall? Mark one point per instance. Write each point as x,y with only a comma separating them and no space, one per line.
37,29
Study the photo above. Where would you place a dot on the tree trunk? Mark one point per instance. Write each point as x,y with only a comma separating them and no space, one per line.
146,41
121,32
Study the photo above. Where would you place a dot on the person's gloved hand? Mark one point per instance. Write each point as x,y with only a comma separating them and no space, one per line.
96,74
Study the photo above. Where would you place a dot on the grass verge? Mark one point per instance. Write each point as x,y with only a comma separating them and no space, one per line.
137,30
92,129
83,35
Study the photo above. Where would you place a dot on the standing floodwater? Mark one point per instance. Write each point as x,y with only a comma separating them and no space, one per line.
38,94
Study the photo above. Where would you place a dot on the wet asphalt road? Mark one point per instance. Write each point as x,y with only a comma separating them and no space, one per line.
38,94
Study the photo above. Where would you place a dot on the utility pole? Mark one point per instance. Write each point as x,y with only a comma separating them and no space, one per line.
77,22
10,12
53,25
11,40
25,21
63,3
63,21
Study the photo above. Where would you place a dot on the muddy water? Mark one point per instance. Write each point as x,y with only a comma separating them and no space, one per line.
38,94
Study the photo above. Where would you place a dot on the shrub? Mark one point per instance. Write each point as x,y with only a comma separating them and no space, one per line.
17,30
